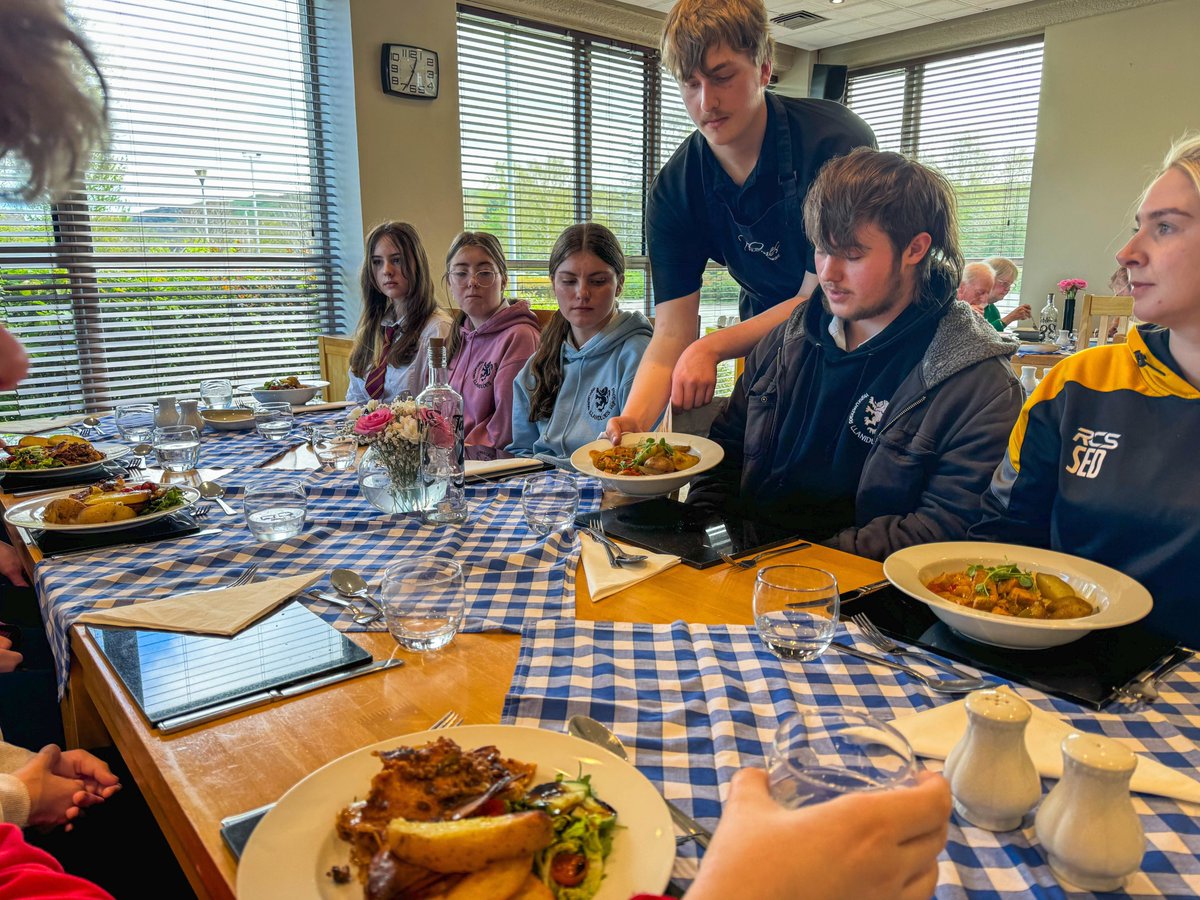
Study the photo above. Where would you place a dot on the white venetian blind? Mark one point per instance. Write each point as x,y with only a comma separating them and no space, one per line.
974,116
203,242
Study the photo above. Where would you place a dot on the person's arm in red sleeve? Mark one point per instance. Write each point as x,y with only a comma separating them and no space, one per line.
27,873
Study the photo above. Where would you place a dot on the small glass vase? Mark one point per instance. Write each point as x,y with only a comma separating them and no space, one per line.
391,488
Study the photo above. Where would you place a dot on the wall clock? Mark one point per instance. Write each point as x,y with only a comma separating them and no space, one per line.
409,71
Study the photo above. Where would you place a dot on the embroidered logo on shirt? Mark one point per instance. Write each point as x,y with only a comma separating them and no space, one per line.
483,374
866,417
1089,451
771,253
602,403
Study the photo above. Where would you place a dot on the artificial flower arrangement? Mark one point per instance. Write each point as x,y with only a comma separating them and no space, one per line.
1071,286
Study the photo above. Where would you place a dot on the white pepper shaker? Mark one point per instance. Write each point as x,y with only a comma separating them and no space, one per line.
992,778
167,412
1092,836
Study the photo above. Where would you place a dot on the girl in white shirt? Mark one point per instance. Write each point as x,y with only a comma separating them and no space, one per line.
399,317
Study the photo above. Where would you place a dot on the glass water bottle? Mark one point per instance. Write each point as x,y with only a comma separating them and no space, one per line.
440,410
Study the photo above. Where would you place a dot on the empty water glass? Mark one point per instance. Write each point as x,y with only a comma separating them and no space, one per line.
217,393
550,501
423,602
275,512
820,754
135,422
333,448
177,447
273,420
796,610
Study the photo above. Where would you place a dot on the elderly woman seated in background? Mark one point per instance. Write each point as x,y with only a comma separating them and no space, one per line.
1005,277
975,286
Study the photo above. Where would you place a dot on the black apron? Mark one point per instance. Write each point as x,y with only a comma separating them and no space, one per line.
768,257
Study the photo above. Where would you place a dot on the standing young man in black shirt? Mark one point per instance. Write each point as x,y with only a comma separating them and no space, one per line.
732,193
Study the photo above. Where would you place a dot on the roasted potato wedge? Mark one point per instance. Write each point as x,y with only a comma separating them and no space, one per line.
469,845
62,511
127,498
497,881
32,440
533,889
66,439
104,512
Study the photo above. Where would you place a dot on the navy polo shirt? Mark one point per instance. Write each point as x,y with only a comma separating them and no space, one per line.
680,231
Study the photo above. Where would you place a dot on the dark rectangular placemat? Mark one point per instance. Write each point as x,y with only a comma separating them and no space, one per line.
49,480
1088,671
55,543
696,536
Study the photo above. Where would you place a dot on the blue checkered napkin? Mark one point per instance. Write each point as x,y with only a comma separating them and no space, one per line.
512,576
694,703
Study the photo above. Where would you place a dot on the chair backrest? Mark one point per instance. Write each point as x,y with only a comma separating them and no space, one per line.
1102,312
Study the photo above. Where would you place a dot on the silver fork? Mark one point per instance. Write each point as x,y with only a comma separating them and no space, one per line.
882,642
616,556
448,720
752,561
245,578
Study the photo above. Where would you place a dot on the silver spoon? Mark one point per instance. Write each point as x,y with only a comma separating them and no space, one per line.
593,732
939,685
210,490
349,583
360,617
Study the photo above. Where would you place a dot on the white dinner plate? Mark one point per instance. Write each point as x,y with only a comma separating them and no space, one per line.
110,451
29,513
1039,347
295,845
710,453
1118,598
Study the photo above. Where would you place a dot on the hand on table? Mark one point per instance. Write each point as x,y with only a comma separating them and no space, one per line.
862,845
62,785
10,565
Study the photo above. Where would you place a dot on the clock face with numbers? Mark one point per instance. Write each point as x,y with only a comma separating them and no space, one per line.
409,71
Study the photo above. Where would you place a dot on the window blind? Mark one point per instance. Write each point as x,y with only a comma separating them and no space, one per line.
974,116
204,241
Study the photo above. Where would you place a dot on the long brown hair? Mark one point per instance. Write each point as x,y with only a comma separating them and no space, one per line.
546,366
491,246
419,305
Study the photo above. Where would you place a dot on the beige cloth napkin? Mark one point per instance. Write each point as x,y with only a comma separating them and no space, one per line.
37,426
934,732
320,407
223,612
604,581
492,466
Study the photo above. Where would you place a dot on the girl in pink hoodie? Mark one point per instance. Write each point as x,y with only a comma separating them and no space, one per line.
491,340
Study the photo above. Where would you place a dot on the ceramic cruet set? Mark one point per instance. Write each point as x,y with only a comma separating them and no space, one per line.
1087,825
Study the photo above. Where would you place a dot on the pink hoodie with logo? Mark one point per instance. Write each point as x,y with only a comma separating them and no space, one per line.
484,368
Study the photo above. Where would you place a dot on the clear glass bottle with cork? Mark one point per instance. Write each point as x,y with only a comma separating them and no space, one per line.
443,470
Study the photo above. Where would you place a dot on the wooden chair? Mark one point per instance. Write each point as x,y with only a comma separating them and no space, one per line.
334,350
1106,310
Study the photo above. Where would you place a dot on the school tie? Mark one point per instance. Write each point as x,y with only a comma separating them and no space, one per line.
378,375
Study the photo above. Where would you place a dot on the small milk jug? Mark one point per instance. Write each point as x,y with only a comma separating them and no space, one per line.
992,778
1087,825
166,414
1028,379
189,414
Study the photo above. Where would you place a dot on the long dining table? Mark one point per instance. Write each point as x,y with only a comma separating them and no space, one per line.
195,778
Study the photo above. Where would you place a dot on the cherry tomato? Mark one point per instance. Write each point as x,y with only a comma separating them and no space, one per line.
568,869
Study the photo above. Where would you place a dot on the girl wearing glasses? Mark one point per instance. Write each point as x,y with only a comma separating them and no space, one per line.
399,316
492,337
583,369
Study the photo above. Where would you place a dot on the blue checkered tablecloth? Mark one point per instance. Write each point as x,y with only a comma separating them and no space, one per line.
695,703
513,576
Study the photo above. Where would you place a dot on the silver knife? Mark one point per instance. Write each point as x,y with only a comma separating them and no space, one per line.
262,698
853,594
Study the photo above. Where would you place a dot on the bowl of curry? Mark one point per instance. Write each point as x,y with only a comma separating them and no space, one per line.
645,464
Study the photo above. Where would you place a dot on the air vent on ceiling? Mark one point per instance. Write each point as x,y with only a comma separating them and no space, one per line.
800,19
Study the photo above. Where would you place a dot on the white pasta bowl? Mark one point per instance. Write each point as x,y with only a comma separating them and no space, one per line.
710,453
310,387
1117,598
228,419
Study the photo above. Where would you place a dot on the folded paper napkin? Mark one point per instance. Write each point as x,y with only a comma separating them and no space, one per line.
37,426
493,466
320,407
934,732
223,612
604,581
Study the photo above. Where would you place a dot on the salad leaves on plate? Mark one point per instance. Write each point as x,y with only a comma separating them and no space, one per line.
572,867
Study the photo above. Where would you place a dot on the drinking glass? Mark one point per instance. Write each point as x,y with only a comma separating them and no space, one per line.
333,448
550,501
177,447
819,754
135,422
217,393
423,602
275,512
273,420
796,610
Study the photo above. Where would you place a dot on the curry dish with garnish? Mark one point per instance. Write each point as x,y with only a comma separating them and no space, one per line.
1007,590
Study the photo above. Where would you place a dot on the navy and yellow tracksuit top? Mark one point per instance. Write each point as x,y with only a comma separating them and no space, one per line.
1102,464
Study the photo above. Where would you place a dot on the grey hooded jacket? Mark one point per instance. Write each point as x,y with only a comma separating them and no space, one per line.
945,430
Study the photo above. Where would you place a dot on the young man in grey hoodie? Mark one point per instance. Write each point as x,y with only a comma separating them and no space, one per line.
873,418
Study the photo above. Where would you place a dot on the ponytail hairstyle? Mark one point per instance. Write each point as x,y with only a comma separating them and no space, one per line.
546,365
419,305
491,246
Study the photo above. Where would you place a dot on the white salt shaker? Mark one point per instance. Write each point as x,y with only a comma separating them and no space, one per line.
167,413
1029,380
992,778
1092,836
189,414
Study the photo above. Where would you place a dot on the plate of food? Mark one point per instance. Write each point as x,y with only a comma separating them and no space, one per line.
647,465
537,808
289,389
1039,347
1020,598
106,506
57,454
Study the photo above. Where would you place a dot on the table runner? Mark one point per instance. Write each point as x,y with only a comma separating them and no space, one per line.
694,703
512,575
